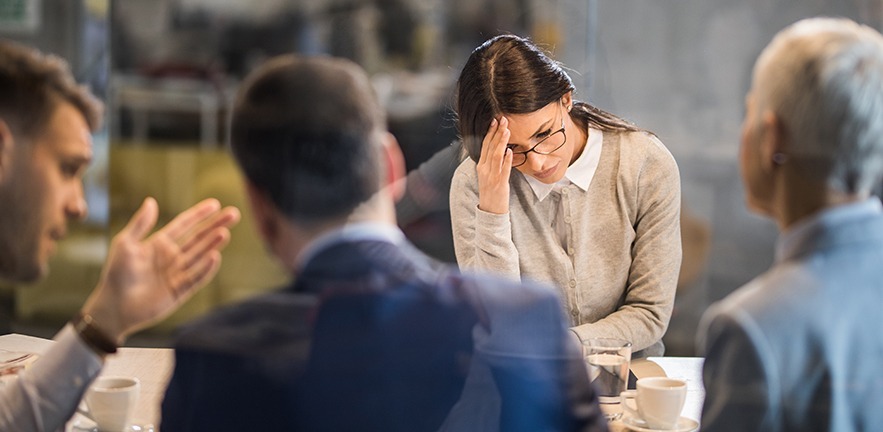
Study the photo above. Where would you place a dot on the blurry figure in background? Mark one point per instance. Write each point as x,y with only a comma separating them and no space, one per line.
799,348
371,334
45,146
592,204
376,34
423,211
471,22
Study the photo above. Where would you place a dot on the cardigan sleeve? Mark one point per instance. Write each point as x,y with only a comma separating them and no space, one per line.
656,250
482,240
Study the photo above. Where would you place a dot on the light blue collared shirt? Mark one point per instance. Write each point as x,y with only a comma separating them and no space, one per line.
350,232
790,241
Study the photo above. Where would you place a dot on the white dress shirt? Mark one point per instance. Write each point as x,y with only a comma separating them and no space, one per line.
579,173
46,395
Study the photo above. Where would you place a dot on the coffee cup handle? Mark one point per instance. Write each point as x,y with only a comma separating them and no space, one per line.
626,406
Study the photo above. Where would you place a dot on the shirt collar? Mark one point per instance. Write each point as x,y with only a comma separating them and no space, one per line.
580,172
359,231
790,241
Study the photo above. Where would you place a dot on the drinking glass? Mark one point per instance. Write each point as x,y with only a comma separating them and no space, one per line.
608,361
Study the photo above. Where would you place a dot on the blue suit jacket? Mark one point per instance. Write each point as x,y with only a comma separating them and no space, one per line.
800,348
375,336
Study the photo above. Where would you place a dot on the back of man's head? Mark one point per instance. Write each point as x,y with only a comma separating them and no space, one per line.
823,78
307,132
31,86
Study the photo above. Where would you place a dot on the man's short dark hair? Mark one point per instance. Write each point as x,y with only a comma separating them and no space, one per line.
31,86
305,131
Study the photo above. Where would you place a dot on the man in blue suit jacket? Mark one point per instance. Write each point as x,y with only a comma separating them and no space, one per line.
372,334
800,348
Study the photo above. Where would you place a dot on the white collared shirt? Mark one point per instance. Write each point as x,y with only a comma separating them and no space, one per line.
46,395
579,173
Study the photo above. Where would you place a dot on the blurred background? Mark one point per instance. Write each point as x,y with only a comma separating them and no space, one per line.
168,70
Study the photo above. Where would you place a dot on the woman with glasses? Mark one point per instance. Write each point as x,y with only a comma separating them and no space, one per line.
559,191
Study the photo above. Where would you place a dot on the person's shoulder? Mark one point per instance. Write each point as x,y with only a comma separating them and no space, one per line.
738,303
493,288
465,178
523,318
727,317
466,167
778,299
642,145
759,296
637,137
265,321
642,153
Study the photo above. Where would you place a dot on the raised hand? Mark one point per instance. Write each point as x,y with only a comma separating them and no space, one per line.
146,279
494,166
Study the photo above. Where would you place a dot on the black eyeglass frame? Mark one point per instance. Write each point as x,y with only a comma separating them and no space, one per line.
534,148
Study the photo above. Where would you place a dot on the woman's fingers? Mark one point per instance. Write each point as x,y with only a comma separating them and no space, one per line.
500,141
507,164
494,168
494,146
486,141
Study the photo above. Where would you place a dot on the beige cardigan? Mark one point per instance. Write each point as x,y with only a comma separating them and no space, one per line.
619,276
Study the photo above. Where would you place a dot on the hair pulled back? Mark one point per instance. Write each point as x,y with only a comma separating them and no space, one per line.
508,74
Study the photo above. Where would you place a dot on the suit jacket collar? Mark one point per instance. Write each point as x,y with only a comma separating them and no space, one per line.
845,224
346,261
350,232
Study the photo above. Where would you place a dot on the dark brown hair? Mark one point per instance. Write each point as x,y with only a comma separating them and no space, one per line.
305,131
31,86
510,75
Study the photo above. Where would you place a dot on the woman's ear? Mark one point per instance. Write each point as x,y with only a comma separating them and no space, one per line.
567,100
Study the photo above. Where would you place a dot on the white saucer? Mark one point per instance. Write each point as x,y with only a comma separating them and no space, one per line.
684,425
86,425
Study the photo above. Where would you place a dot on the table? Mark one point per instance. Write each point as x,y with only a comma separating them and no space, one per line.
685,368
153,366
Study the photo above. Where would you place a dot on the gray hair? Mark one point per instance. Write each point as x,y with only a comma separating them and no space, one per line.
823,78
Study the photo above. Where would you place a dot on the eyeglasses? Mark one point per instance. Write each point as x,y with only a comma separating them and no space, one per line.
547,145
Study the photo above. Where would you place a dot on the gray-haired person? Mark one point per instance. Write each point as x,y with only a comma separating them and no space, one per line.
800,347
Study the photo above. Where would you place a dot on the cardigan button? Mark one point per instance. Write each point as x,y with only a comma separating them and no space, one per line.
573,283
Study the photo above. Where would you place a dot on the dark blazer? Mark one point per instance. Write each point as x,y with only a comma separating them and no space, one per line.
374,336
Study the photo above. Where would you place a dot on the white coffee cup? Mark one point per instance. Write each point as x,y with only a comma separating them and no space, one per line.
659,401
111,401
